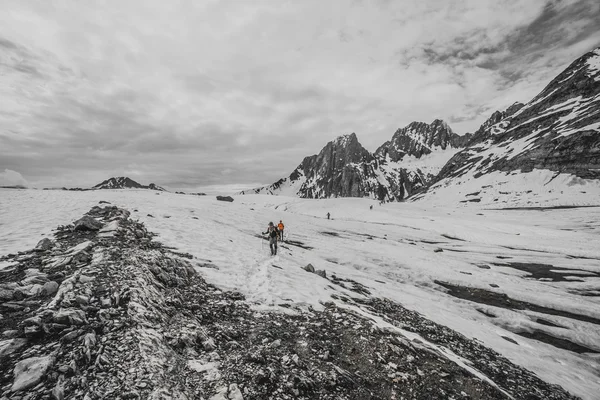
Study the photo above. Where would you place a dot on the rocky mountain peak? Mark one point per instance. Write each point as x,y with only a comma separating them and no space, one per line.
418,139
124,182
346,140
557,131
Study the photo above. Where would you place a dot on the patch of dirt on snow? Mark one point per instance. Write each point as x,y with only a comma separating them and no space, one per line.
501,300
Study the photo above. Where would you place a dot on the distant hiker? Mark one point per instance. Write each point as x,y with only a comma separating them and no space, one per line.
280,227
328,215
272,233
371,207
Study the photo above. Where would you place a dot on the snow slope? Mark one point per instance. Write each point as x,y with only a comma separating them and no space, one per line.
391,250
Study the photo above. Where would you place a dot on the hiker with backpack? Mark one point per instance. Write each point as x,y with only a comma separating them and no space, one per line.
280,227
273,234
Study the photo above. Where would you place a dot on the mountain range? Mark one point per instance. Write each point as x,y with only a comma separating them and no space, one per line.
515,152
398,168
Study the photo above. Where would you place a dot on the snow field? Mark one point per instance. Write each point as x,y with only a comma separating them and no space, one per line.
389,249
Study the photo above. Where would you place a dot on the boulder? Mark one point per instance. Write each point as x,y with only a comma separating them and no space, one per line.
10,346
50,288
44,244
87,223
70,317
29,372
225,198
309,268
6,294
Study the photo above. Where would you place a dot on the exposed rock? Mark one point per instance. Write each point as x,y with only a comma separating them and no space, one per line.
309,268
124,182
50,287
70,317
29,372
225,198
321,273
87,223
10,346
44,245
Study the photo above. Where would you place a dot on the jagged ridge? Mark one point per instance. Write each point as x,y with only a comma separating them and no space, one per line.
124,182
344,168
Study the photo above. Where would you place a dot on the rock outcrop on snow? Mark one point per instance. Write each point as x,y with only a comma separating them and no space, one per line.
344,168
124,182
558,131
111,313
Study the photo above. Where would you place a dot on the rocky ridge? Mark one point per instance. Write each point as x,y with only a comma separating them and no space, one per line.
104,311
125,183
344,168
418,139
558,130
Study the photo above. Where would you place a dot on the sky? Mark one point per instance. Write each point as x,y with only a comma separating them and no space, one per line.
234,94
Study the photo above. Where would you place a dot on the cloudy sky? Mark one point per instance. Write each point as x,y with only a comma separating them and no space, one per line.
194,93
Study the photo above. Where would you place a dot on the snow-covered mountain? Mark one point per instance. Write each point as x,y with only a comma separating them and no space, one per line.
123,182
344,168
546,151
418,139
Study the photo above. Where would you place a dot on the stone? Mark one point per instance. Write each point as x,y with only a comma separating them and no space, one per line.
10,346
35,320
321,273
438,250
10,333
225,198
87,223
29,372
69,337
234,392
31,330
85,278
6,294
70,317
309,268
49,288
44,245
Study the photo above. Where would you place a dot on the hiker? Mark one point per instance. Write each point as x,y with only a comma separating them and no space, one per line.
273,234
371,207
280,227
328,215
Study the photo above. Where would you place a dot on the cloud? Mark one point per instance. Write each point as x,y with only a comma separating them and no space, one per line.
178,94
12,178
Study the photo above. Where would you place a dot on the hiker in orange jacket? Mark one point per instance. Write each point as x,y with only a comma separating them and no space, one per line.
280,227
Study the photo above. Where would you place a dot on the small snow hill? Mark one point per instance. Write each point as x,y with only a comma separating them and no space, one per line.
543,153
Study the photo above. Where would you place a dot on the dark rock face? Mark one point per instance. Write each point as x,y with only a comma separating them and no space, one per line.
125,183
344,168
44,245
418,139
134,320
337,170
558,130
87,223
225,198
